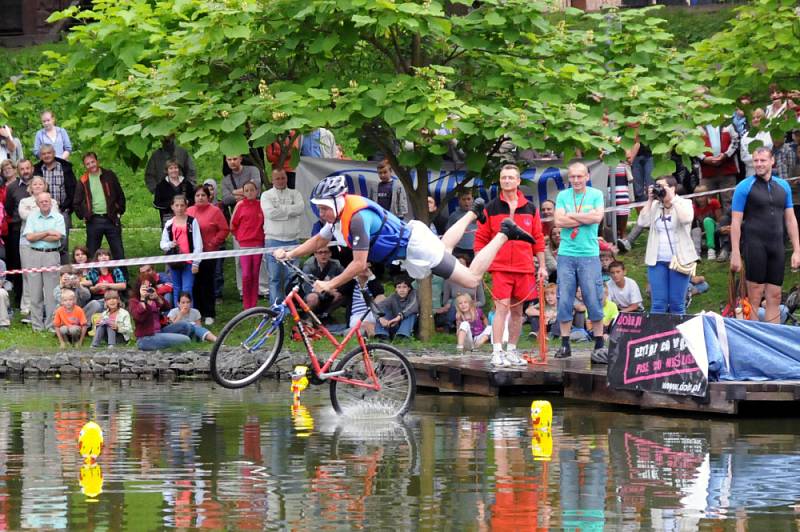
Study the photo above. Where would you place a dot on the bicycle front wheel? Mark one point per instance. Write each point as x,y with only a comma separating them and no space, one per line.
247,346
395,377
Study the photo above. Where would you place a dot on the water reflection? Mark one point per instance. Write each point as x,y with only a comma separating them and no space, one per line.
190,455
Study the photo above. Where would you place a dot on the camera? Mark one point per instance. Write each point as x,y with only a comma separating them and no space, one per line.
659,192
150,290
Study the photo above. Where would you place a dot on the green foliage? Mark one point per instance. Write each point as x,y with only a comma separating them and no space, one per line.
758,48
224,74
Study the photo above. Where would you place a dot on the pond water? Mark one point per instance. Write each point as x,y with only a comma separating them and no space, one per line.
193,456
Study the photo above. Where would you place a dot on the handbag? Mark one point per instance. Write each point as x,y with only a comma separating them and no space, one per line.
674,264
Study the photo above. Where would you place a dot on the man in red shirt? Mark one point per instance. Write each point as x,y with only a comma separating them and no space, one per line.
513,269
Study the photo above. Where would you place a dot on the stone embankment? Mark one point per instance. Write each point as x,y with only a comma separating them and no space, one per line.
111,364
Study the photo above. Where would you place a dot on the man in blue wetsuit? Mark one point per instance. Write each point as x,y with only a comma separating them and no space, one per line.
376,235
762,205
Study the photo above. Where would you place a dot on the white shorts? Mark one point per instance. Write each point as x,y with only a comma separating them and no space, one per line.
425,251
469,340
369,318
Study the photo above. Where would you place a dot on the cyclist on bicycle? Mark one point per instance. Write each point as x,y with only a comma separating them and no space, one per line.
378,236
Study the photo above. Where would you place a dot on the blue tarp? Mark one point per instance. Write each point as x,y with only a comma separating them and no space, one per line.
757,351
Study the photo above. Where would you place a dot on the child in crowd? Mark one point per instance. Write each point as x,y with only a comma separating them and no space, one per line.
550,310
185,312
115,324
707,214
247,226
5,286
69,279
80,255
610,313
356,306
103,279
606,258
473,327
400,311
452,290
623,290
69,320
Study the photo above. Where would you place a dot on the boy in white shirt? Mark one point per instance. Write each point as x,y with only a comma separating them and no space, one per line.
623,290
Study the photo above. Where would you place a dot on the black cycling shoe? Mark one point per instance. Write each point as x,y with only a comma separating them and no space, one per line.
563,352
515,232
479,208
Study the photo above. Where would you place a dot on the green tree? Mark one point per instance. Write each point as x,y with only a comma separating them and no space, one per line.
757,49
410,78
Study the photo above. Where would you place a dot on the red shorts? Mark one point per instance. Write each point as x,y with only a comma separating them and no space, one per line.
512,285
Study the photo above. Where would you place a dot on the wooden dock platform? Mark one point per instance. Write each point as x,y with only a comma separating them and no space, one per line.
577,378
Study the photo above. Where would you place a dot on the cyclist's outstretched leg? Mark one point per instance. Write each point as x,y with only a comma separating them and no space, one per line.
453,235
473,276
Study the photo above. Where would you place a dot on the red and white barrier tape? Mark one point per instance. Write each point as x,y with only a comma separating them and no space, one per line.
158,259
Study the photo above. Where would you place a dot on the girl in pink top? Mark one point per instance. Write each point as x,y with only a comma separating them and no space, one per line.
247,225
182,234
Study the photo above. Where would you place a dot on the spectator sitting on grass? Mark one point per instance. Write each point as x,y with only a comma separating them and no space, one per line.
185,313
322,268
707,214
451,291
610,313
70,280
606,258
550,310
472,326
356,306
115,325
103,279
80,255
400,311
145,306
69,321
162,279
623,290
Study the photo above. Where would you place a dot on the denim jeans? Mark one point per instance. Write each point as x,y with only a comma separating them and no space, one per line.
278,273
405,328
198,332
170,336
583,272
642,170
667,289
219,278
182,280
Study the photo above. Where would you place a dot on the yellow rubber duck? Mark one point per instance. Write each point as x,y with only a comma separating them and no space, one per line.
90,441
542,415
299,380
91,480
542,445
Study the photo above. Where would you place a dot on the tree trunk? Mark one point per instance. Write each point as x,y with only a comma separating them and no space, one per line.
418,200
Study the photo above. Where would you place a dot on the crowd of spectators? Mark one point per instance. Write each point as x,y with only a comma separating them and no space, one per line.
586,283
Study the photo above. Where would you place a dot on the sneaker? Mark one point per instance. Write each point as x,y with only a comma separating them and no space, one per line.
209,321
499,360
724,256
563,352
600,355
623,245
515,232
533,334
514,359
25,320
712,254
479,208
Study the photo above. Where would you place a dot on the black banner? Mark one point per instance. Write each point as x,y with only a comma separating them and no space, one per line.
648,353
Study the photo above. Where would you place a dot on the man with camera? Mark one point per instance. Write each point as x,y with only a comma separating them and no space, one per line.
10,146
762,205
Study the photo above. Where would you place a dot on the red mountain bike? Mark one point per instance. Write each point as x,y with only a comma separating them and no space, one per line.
373,378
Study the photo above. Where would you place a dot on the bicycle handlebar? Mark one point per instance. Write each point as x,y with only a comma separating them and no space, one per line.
310,280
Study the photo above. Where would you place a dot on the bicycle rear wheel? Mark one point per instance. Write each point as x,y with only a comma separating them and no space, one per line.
247,346
395,375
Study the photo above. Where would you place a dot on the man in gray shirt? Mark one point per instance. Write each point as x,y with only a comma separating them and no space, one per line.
467,243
